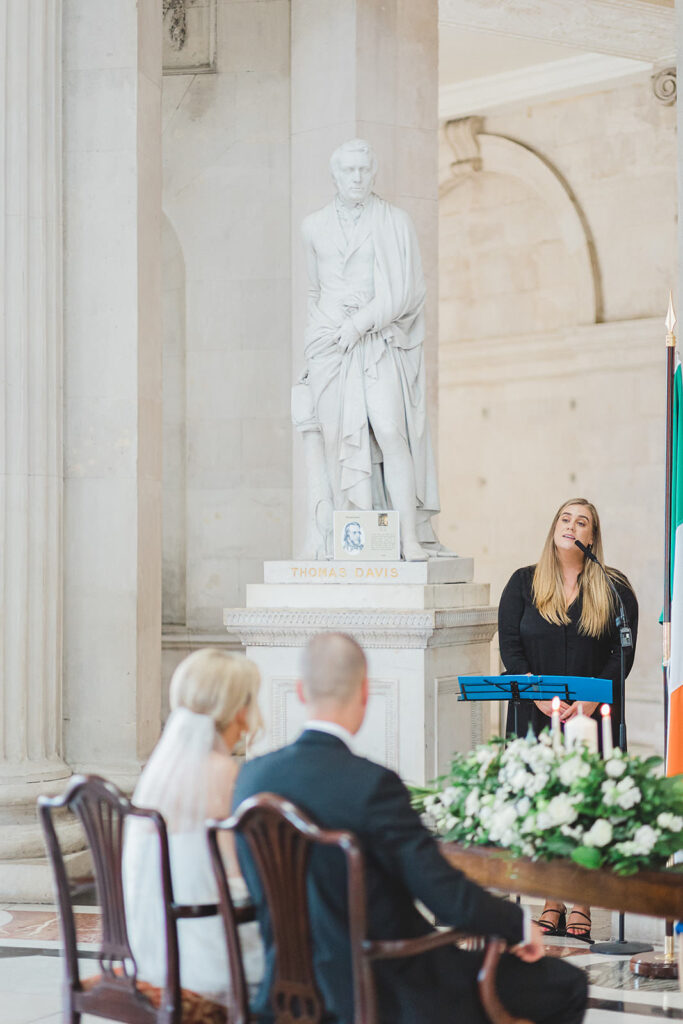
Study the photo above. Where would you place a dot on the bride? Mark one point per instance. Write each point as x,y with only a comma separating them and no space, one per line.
189,778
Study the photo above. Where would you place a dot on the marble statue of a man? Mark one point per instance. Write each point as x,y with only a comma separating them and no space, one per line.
362,404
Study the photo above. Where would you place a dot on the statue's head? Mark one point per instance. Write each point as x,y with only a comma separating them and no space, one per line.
354,167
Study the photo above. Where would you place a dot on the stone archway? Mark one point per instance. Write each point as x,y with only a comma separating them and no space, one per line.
479,152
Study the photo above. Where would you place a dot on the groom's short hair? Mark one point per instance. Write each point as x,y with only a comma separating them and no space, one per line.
334,667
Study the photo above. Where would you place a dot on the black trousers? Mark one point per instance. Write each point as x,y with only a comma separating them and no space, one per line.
550,991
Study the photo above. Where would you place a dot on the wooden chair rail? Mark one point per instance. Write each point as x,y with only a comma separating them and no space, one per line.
655,893
387,949
192,910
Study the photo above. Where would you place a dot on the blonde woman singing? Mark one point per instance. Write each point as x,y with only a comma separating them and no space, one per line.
190,777
558,618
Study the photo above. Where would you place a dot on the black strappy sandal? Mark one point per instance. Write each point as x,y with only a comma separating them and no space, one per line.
548,928
580,932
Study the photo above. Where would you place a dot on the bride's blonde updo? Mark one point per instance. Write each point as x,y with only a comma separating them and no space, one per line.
218,684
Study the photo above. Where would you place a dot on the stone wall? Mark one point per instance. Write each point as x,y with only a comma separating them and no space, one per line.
227,433
536,404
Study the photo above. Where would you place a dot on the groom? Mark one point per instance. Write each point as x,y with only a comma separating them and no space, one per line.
321,775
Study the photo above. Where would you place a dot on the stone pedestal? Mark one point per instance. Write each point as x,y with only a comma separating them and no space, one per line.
421,624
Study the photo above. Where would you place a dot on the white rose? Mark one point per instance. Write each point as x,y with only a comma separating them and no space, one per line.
537,783
572,769
523,806
430,801
628,797
609,792
669,821
472,802
561,810
614,768
519,780
449,796
528,825
644,839
599,834
504,820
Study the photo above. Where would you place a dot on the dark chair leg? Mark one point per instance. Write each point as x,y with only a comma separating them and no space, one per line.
71,1016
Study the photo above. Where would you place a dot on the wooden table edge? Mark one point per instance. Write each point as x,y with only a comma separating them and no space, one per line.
654,893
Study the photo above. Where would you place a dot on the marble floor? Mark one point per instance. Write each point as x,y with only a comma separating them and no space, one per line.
31,971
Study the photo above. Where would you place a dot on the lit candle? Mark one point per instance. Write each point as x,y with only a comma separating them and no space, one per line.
555,723
581,730
606,731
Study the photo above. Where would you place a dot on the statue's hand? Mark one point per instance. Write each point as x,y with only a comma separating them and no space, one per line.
348,336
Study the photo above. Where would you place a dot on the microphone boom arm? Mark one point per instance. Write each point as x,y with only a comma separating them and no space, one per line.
625,638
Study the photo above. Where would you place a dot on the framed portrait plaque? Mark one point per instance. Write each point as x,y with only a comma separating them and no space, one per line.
366,536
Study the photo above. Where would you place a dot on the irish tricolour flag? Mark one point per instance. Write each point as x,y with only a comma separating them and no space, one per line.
674,760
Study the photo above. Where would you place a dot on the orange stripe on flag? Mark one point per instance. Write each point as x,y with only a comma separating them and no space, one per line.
674,764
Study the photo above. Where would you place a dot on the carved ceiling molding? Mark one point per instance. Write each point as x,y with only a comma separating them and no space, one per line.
638,29
504,156
539,83
664,86
177,22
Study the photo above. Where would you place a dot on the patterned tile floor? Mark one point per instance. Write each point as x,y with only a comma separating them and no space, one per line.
31,971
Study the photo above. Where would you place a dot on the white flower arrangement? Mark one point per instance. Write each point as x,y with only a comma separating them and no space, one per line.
538,801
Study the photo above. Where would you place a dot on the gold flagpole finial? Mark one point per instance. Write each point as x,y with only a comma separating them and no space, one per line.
670,323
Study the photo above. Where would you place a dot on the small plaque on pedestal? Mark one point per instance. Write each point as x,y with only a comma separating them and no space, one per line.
366,536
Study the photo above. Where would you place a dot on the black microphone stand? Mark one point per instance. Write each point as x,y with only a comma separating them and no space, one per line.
621,947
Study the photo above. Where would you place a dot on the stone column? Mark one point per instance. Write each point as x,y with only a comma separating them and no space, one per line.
31,448
112,384
368,69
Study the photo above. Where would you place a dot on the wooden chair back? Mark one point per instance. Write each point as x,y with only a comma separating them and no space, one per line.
280,838
103,811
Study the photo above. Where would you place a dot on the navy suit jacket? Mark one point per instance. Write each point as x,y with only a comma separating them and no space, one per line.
403,864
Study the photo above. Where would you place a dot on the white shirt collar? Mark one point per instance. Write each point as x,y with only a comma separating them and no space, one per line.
333,729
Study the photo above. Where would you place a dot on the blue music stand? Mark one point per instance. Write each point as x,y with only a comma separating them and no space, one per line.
518,689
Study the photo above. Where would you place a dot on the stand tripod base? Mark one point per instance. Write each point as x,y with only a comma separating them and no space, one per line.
621,948
655,965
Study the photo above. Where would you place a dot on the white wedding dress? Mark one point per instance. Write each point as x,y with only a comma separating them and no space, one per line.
188,778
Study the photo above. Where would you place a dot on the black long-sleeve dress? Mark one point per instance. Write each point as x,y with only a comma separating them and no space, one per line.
529,643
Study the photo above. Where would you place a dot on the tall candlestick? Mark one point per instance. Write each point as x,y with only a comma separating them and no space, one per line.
581,730
555,723
606,731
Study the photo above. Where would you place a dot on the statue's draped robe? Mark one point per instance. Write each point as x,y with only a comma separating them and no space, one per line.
375,276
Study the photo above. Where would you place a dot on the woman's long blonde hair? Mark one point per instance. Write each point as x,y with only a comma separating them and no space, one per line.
548,584
218,684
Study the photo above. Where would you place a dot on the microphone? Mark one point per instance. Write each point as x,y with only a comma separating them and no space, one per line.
587,550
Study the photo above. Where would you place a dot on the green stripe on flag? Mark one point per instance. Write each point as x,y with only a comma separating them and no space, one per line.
676,466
